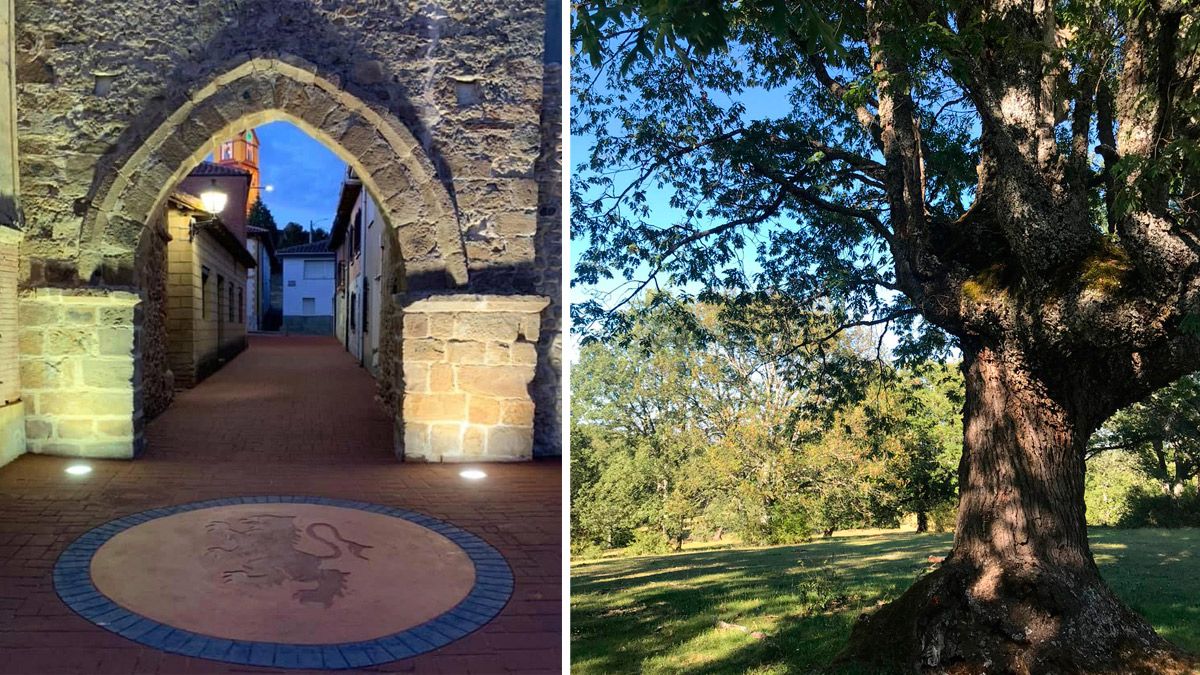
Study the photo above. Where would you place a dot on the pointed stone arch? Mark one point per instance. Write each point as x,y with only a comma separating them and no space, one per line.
392,164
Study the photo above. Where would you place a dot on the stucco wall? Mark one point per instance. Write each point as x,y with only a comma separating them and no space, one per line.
296,288
12,409
197,317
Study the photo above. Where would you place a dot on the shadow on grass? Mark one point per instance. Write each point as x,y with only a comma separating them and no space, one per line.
660,614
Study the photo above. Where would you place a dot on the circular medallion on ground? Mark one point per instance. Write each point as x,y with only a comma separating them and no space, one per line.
299,582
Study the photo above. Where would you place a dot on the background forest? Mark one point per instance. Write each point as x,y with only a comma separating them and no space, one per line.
709,425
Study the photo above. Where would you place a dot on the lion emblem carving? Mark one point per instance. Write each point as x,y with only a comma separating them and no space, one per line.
261,550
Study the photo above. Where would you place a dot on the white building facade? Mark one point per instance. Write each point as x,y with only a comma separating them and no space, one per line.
308,287
359,241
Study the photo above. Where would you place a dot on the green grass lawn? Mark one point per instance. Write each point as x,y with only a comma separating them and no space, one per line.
659,614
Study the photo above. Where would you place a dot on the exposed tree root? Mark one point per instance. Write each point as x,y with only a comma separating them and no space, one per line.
961,619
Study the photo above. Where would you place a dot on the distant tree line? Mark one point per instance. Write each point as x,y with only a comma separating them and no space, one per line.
703,424
292,234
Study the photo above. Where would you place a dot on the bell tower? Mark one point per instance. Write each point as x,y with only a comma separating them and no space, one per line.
241,152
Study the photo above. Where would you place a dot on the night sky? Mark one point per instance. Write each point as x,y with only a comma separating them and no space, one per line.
306,176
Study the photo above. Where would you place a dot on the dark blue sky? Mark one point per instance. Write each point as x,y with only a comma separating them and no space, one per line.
306,176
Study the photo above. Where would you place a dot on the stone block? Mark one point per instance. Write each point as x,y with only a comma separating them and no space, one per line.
474,441
466,352
483,410
108,373
416,376
498,381
71,341
445,439
47,374
441,326
76,428
115,427
416,440
497,354
434,407
80,316
115,317
30,342
517,413
38,429
523,353
441,378
115,341
424,350
516,224
33,313
416,326
485,327
530,327
510,442
55,403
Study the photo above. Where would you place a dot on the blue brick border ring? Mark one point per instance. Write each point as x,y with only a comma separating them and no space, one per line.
492,589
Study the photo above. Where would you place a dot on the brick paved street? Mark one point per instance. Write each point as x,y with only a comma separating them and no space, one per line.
290,416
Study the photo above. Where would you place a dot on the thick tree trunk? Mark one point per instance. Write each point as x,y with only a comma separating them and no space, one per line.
922,521
1020,592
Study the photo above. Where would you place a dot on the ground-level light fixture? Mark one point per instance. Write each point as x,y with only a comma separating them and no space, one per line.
78,469
472,474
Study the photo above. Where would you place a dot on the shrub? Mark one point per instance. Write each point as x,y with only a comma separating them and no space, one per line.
1147,508
943,516
649,542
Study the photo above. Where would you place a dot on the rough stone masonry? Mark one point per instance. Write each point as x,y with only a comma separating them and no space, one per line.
450,112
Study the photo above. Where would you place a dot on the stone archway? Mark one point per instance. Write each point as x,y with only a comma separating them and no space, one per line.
461,362
392,164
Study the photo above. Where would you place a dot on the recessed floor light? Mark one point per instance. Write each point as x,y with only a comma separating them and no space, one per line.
472,474
79,469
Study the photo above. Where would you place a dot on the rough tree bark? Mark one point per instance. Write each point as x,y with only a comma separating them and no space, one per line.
1020,591
1059,328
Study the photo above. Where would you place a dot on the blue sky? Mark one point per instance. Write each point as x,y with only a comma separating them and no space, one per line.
305,176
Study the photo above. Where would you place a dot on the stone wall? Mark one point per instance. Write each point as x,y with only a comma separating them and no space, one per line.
12,408
439,107
97,81
158,380
547,385
468,362
79,376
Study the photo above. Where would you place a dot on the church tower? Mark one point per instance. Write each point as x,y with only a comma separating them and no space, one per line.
241,152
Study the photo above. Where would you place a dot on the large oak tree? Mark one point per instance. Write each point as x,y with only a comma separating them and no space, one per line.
1021,176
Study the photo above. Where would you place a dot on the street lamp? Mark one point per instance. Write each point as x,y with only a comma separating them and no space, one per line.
213,199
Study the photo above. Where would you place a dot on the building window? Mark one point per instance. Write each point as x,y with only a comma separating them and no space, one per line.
318,269
366,312
353,307
220,296
308,306
227,150
203,292
241,306
231,305
356,234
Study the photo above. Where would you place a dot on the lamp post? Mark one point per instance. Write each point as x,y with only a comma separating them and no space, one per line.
213,201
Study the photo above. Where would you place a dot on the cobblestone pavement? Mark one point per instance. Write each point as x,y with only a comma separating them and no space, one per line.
289,416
